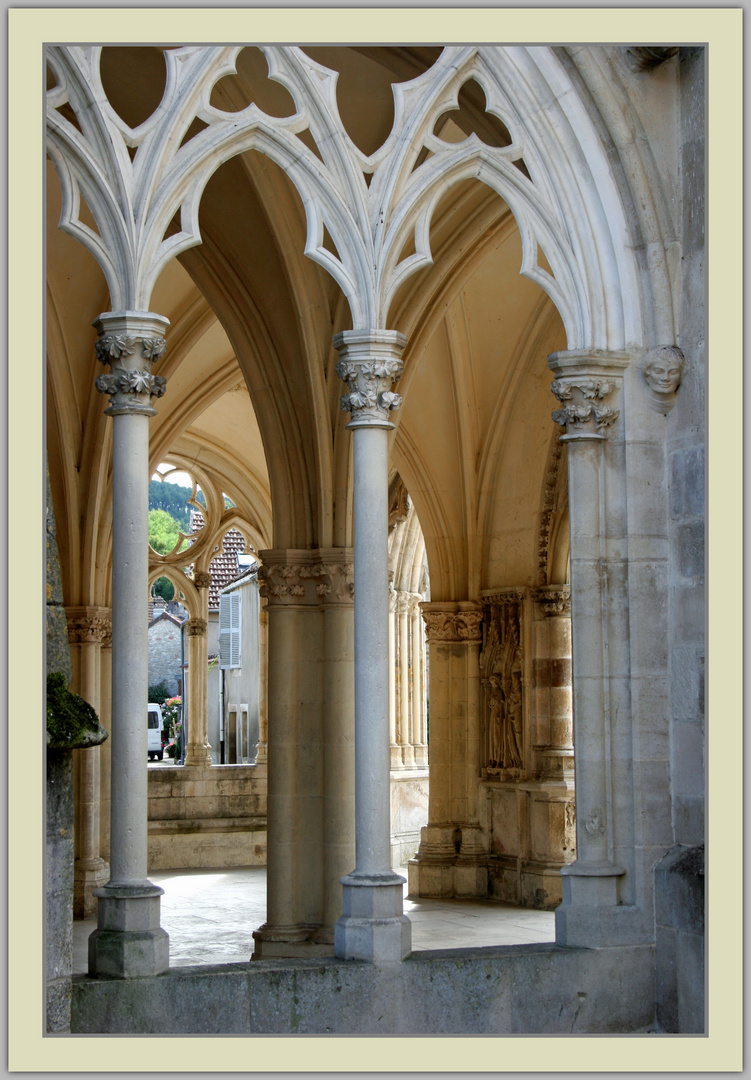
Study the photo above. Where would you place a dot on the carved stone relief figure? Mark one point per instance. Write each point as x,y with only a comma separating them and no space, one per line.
501,661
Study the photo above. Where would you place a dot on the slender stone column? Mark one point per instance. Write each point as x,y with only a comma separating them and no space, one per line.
418,696
372,926
129,941
404,657
394,750
589,386
198,750
262,754
88,628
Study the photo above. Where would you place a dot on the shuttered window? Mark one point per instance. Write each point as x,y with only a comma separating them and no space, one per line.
229,630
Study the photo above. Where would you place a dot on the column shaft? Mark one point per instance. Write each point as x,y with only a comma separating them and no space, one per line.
130,648
372,926
129,941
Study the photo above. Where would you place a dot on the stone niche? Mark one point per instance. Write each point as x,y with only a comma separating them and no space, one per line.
527,754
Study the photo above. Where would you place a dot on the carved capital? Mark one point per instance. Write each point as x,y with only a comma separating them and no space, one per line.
663,369
197,627
583,381
89,625
450,623
321,577
201,579
554,600
513,595
130,342
370,363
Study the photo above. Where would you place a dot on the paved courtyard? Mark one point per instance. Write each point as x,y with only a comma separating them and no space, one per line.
210,916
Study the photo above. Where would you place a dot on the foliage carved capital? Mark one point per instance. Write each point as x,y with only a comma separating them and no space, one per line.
554,600
370,363
325,579
452,623
201,579
197,627
130,342
89,625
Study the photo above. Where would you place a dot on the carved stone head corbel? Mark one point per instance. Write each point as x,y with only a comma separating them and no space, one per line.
663,369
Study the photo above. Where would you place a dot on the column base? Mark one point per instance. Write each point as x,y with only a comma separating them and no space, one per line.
128,943
88,875
198,755
285,942
373,925
451,862
590,915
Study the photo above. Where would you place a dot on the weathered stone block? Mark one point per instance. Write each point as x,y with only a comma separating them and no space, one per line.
687,483
689,538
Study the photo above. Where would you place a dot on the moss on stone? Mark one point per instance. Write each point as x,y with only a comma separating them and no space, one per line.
71,721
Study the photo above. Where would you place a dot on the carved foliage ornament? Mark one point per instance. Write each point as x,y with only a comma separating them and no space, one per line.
130,389
197,627
89,629
369,383
583,413
459,626
554,601
330,583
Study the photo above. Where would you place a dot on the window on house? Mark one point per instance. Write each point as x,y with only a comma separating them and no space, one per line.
229,630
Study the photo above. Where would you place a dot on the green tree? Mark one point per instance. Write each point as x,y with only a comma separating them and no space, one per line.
163,531
173,499
163,587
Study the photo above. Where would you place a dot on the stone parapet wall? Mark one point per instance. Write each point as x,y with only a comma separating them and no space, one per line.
207,817
491,991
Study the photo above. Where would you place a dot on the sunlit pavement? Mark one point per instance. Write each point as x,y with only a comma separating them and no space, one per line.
210,916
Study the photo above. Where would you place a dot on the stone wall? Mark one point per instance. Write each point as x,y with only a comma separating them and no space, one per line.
492,991
409,812
207,817
164,653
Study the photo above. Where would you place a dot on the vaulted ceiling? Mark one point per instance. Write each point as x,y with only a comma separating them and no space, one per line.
252,394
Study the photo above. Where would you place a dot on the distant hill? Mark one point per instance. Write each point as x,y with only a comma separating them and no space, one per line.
173,499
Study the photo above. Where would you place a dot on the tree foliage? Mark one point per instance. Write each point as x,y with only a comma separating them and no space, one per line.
173,500
163,532
163,587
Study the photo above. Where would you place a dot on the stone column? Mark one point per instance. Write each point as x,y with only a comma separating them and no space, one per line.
589,386
372,926
417,718
129,941
335,588
449,861
404,658
198,750
262,754
552,684
88,629
394,750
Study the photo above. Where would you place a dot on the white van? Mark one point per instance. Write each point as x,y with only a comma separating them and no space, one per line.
155,732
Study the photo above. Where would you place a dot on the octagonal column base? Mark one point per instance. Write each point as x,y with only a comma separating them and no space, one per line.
373,925
128,943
